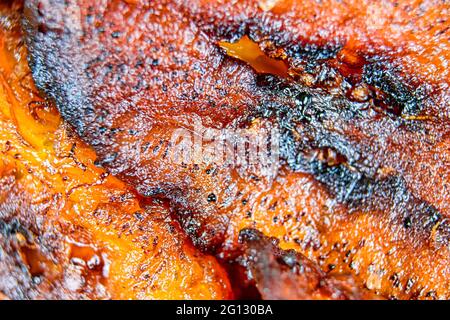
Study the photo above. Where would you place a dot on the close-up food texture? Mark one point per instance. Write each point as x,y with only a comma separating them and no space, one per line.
214,149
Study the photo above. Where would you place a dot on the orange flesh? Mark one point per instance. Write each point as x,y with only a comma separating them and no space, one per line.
248,51
110,241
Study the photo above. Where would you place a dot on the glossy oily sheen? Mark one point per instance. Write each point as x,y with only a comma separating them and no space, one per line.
361,183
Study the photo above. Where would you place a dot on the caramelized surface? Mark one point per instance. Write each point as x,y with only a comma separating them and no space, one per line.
361,185
259,265
67,228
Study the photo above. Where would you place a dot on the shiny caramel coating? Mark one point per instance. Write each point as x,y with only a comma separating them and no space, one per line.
361,186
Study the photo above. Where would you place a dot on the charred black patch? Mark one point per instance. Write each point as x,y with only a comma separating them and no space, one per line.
207,237
8,229
258,31
68,95
362,193
258,264
310,52
398,97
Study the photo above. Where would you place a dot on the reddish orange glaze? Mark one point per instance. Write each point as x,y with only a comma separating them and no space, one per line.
81,233
361,183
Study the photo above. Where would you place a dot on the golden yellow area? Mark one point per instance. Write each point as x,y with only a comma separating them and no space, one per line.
267,5
109,245
248,51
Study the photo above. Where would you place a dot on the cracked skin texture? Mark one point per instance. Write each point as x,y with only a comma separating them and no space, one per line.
68,230
126,76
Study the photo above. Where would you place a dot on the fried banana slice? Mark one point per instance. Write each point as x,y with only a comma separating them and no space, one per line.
360,180
68,229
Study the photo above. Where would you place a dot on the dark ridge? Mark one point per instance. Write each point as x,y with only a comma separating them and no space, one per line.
189,219
311,53
359,192
303,116
259,31
400,98
8,3
312,118
8,229
68,96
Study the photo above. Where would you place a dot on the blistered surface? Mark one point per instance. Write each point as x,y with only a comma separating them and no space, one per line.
361,183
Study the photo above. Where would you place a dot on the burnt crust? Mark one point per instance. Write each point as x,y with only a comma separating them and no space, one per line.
387,142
